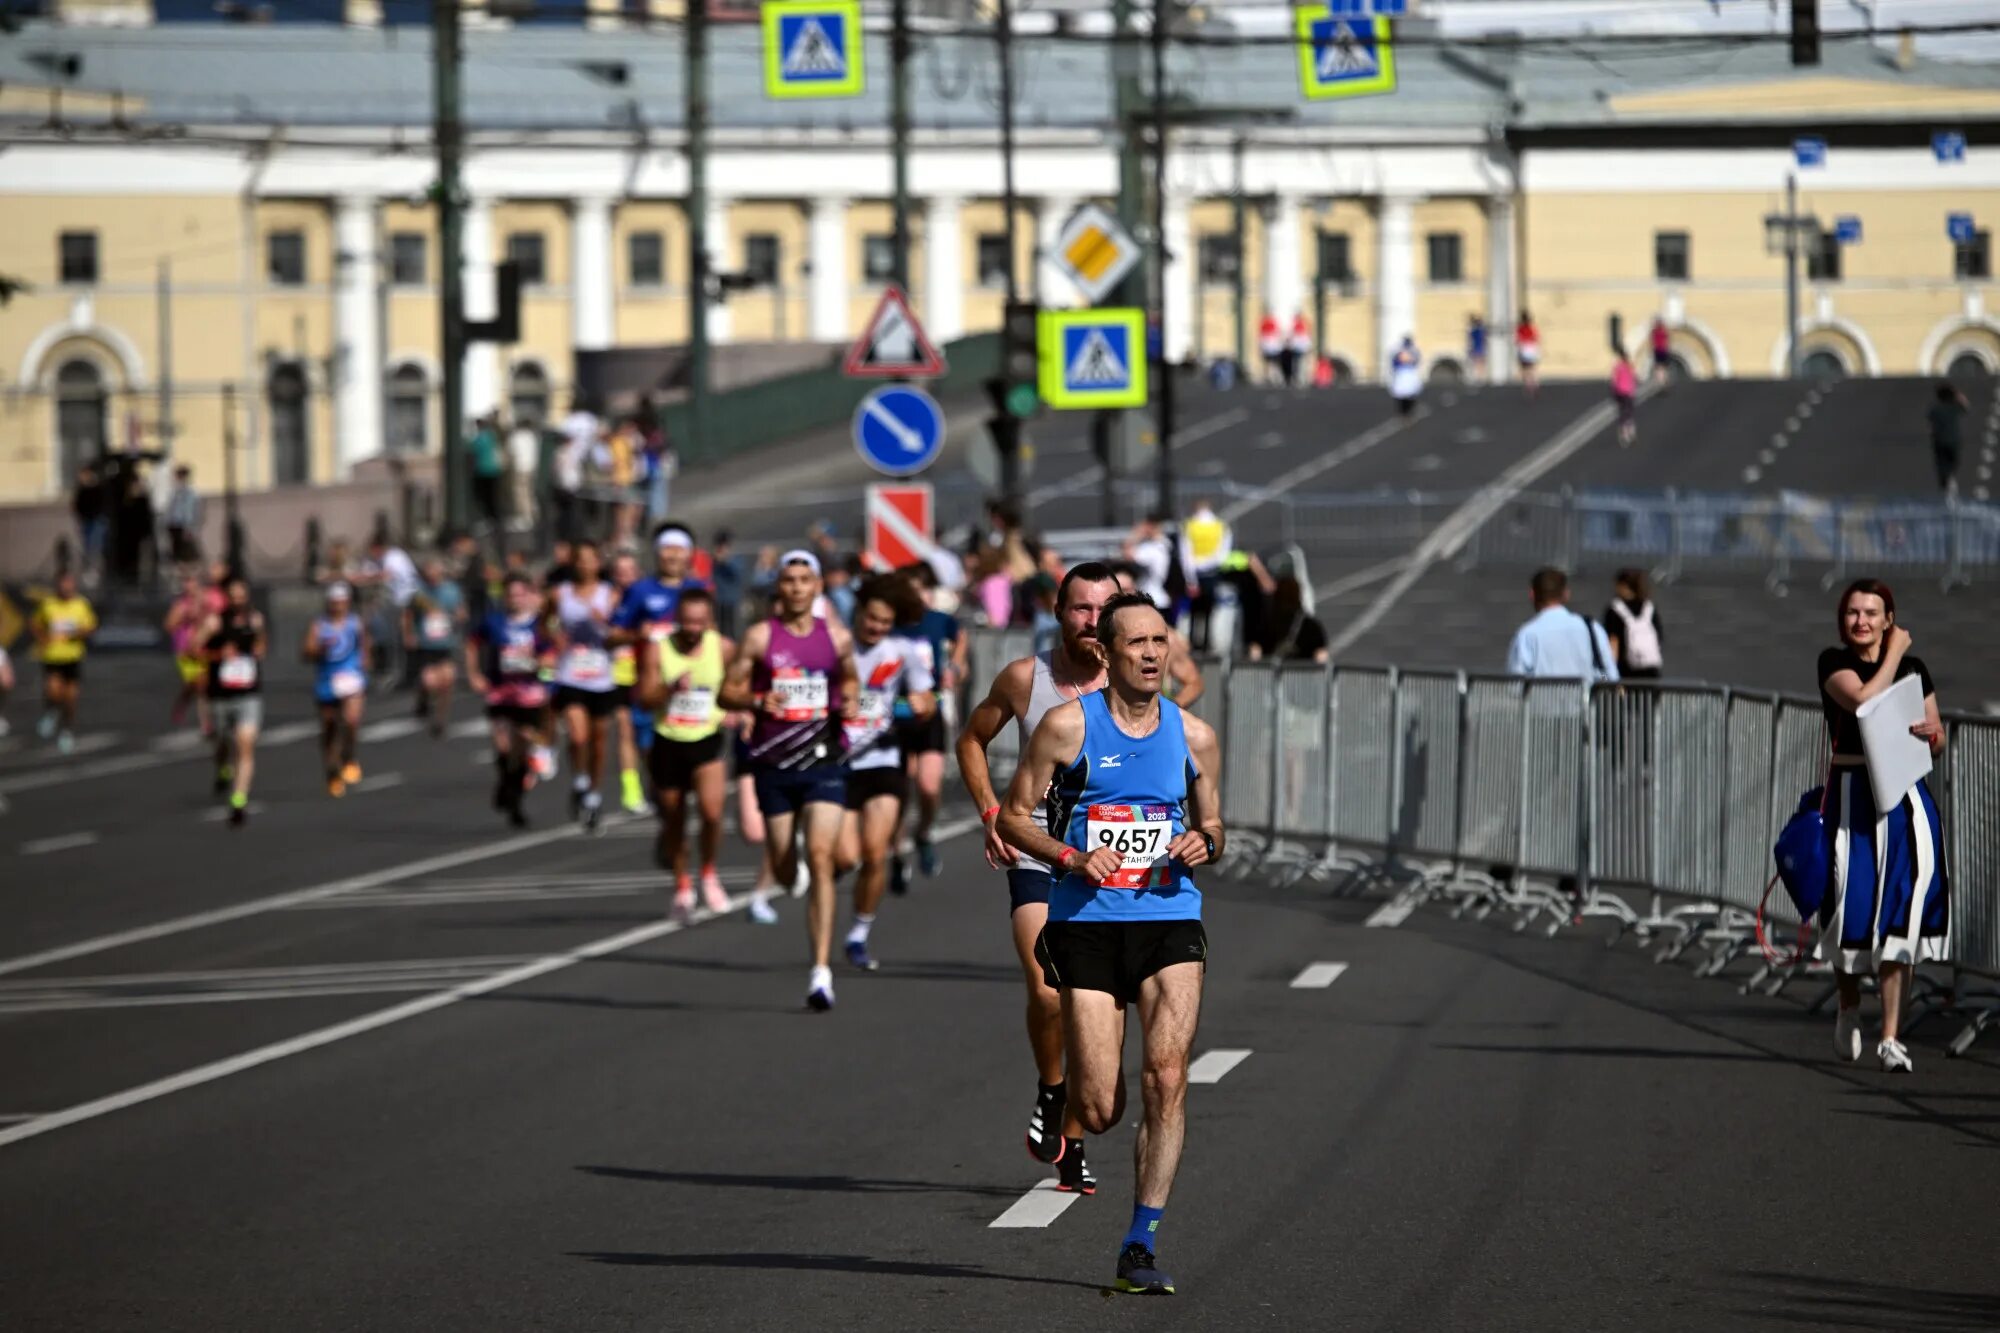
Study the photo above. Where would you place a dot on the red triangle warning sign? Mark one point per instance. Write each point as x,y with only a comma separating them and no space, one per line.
894,344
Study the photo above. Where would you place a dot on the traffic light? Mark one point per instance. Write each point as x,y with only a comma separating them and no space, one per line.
1019,359
1805,32
505,326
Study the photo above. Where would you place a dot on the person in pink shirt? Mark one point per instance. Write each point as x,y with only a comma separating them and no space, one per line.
1624,392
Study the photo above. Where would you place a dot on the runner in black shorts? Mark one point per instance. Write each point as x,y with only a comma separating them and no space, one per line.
505,659
924,740
680,688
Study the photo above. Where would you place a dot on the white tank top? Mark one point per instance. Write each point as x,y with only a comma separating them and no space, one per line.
586,659
1043,695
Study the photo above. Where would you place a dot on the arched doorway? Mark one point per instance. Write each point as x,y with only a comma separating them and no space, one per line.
1446,373
1822,365
1968,370
409,410
1678,368
82,417
528,395
291,435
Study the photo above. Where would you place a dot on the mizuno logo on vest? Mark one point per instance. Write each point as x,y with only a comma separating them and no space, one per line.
1107,761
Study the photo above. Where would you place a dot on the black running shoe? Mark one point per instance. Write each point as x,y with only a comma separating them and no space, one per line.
1072,1176
237,815
1045,1136
899,876
1139,1274
593,814
224,780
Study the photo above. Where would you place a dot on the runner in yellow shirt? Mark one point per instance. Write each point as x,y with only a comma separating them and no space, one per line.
62,626
680,683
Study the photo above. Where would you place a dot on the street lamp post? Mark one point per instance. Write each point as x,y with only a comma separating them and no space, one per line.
1781,236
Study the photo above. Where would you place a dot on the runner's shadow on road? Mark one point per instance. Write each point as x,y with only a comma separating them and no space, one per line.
1613,1052
1819,1301
802,1184
821,1263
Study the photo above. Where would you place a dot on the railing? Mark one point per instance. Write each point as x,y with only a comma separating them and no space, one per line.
1653,805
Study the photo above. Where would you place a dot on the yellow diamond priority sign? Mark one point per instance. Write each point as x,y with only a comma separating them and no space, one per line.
1095,252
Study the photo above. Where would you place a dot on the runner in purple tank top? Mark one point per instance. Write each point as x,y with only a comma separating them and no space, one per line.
796,673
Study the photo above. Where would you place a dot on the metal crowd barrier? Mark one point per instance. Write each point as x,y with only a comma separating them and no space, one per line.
1653,805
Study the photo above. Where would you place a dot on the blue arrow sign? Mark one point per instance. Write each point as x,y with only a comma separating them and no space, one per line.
1959,227
899,429
1847,229
1809,152
1948,145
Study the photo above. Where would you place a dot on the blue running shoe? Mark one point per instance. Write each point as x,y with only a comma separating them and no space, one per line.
927,858
857,956
1139,1275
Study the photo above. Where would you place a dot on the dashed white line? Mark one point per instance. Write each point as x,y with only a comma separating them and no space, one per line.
1318,976
1210,1066
1752,473
390,728
1037,1208
378,781
1391,914
61,843
1768,457
1791,423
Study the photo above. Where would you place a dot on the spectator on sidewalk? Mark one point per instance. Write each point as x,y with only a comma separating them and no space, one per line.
1406,377
1298,351
1475,348
184,519
1947,422
1557,643
1528,352
1624,395
1632,624
1662,344
1152,553
488,467
1206,541
1271,347
729,579
93,521
524,461
581,431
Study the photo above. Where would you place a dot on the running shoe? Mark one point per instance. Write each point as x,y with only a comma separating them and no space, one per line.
1847,1035
1139,1273
335,787
713,896
223,778
66,742
1045,1136
6,727
593,813
857,956
46,728
1895,1057
927,858
684,900
761,911
239,810
802,879
819,990
576,795
351,774
1072,1175
899,876
634,794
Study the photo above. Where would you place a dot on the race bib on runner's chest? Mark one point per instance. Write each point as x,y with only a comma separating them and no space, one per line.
1140,835
437,625
237,673
691,708
347,684
588,665
800,697
518,661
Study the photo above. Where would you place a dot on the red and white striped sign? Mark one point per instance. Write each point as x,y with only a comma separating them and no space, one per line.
900,527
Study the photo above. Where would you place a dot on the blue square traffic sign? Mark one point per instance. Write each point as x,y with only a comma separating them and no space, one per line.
1959,227
1847,229
1092,358
1809,151
1948,145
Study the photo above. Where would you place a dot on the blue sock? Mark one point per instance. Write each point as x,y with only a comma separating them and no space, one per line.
1145,1225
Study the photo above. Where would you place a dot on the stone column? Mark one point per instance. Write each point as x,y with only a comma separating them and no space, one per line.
483,389
720,258
1500,288
357,335
826,283
1177,321
590,281
1395,276
944,268
1284,280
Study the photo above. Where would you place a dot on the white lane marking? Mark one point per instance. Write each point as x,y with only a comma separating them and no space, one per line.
178,742
1768,457
1037,1208
1333,458
1318,976
1791,423
1449,536
16,1117
378,781
381,1018
1208,1067
293,898
1359,579
1090,476
151,990
388,729
60,843
157,757
466,730
1752,473
1392,913
287,733
1270,439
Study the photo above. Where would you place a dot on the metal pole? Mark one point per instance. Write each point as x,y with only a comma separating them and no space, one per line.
1237,222
448,133
1163,383
1792,274
232,522
899,137
1319,298
1010,444
697,207
165,313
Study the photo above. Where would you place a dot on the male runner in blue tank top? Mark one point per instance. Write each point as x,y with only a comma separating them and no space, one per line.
1135,809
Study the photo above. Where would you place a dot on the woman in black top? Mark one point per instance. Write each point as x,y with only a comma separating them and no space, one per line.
1887,906
1287,631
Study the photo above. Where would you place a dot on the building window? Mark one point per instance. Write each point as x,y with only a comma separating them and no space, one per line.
1973,258
990,256
409,410
761,259
285,259
291,437
409,261
1823,258
1336,257
1447,256
528,395
81,405
1218,254
525,249
878,258
76,256
1670,256
646,259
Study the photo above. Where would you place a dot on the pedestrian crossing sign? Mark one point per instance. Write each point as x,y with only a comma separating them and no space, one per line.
1343,57
812,48
1092,358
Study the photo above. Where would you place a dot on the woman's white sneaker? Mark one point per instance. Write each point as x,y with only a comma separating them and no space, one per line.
1895,1059
1847,1035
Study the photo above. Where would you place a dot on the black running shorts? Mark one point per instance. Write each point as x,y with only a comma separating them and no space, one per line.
865,784
673,763
595,703
1116,956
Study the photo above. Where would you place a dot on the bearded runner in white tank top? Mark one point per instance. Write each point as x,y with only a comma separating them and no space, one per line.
1024,693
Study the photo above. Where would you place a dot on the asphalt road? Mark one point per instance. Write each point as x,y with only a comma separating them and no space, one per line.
380,1064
